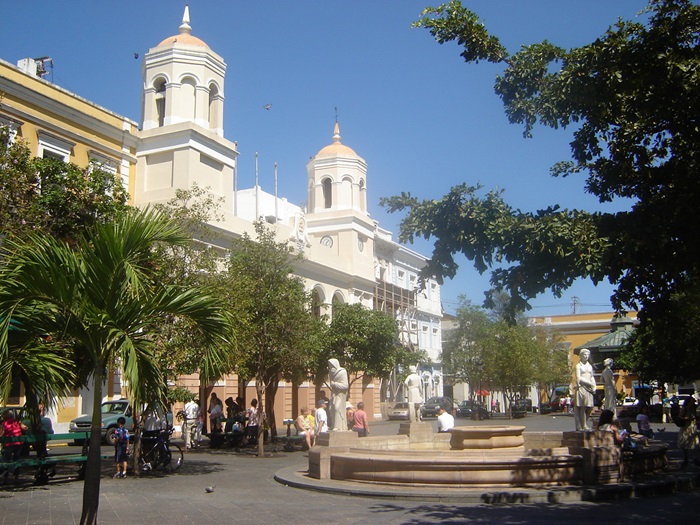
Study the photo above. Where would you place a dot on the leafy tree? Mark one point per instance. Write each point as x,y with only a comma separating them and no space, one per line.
634,98
511,356
464,351
178,342
44,365
51,195
101,298
278,335
672,331
486,350
364,341
552,365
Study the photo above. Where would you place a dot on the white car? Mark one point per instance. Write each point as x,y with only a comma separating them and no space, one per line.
400,411
630,401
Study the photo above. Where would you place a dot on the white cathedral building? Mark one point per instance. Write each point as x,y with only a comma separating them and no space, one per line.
348,257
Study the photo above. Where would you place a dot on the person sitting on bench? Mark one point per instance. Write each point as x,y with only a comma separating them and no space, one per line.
304,428
11,427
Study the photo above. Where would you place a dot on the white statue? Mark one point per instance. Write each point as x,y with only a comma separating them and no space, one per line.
339,383
609,386
584,386
415,398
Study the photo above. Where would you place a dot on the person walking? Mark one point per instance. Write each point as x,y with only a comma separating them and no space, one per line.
192,425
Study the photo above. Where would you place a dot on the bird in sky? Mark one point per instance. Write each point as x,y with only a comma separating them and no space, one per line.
136,55
267,106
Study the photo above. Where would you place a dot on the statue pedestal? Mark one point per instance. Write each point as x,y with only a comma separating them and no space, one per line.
328,443
417,432
337,438
602,459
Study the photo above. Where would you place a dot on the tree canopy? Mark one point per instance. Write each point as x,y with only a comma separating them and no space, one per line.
632,97
485,351
178,342
51,195
278,335
364,341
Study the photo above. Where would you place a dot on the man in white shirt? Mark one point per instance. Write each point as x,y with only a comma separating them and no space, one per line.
192,420
445,421
321,422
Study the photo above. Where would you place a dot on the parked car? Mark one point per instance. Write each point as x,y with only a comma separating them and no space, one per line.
467,407
430,407
520,407
111,411
400,411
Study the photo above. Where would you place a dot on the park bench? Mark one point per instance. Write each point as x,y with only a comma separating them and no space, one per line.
291,440
45,464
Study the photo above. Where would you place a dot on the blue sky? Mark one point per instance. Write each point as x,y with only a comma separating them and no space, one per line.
422,119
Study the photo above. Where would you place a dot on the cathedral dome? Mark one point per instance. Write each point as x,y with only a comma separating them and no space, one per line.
337,149
185,35
183,38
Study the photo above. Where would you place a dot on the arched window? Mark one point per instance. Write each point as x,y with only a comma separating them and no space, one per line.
160,100
213,116
316,303
337,299
189,99
327,193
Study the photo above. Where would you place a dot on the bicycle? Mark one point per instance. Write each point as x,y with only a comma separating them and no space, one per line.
157,452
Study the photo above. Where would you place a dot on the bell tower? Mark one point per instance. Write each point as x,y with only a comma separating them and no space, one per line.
337,179
183,81
182,137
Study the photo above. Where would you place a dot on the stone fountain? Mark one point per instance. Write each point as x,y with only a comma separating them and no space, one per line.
472,456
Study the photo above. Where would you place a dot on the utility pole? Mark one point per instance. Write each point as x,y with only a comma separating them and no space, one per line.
575,305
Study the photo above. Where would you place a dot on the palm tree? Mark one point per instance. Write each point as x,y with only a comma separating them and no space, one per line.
103,297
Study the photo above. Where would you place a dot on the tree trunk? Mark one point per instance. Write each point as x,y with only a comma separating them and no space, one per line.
93,465
259,388
270,393
136,444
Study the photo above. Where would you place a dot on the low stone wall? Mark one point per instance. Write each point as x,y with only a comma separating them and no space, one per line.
419,456
455,468
649,456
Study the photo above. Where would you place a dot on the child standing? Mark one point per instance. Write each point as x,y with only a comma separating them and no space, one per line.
121,448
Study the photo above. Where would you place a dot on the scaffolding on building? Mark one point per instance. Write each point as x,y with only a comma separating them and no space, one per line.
402,305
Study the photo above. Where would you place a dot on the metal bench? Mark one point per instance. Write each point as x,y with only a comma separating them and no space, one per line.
290,441
45,464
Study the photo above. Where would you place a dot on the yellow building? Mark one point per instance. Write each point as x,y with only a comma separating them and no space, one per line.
56,123
593,331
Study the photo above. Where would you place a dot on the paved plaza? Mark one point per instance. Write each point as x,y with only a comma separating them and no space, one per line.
245,491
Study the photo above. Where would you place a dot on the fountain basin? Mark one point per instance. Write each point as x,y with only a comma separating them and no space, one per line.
487,437
455,468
